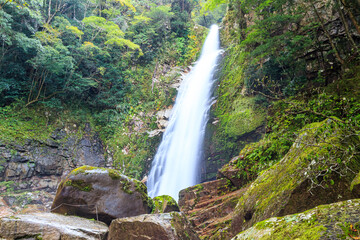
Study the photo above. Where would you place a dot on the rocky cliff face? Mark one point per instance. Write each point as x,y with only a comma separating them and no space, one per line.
32,165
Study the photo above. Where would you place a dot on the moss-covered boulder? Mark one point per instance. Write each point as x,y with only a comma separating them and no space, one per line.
162,226
318,169
101,193
165,204
334,221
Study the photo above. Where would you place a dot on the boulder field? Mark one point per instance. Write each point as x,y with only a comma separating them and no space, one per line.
320,168
108,196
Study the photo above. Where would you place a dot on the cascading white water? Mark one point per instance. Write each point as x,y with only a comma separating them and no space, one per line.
176,163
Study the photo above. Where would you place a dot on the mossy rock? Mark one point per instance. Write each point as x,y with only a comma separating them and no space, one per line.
334,221
245,117
308,175
101,193
165,204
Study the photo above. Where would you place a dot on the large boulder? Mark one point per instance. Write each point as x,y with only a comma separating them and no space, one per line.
334,221
101,193
51,226
318,169
165,226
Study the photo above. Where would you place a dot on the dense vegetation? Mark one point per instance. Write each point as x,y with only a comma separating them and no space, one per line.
108,63
111,63
288,64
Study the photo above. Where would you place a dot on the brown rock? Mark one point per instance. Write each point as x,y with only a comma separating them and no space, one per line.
232,172
209,207
51,226
165,226
101,193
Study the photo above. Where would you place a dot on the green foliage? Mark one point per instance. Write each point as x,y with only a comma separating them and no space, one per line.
212,4
18,124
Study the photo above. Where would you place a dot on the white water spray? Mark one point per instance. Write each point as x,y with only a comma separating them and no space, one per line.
176,163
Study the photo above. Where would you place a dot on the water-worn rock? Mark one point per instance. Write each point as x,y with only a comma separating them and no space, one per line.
51,226
309,175
164,226
165,204
99,192
323,222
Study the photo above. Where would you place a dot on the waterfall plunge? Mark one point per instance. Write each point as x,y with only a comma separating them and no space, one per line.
176,163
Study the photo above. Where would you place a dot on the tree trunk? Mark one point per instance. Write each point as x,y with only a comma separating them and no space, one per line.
338,57
352,18
343,19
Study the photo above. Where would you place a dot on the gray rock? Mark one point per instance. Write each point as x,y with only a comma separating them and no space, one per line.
165,226
99,192
51,227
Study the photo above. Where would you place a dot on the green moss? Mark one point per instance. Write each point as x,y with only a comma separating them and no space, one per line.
126,186
18,123
312,153
332,221
82,170
245,117
114,174
356,181
9,187
79,184
163,201
301,230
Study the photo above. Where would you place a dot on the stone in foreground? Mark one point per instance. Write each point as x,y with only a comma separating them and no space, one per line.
165,226
318,169
101,193
334,221
51,226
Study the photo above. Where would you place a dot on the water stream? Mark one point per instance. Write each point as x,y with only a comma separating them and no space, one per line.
176,163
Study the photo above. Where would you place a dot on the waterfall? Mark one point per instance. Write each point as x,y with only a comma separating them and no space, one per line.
176,163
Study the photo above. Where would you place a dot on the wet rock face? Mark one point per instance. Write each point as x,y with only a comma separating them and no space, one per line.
51,227
38,165
300,181
101,193
323,222
165,226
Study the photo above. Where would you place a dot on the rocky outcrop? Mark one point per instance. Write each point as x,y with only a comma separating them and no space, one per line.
51,226
318,169
165,204
209,207
37,166
334,221
66,149
101,193
165,226
240,131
